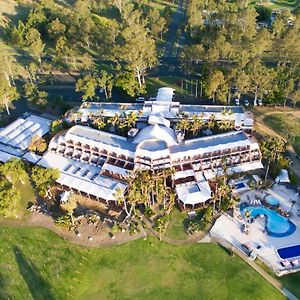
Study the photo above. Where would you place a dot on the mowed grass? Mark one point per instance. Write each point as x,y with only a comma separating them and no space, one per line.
37,264
176,226
277,120
27,195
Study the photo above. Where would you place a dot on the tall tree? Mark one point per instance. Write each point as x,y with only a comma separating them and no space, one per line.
137,50
87,85
44,179
8,93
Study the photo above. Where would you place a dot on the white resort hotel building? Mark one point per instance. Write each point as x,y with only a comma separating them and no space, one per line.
97,163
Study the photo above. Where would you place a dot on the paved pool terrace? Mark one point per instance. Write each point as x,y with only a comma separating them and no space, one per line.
230,229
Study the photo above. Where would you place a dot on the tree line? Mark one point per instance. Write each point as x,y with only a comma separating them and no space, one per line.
79,37
235,55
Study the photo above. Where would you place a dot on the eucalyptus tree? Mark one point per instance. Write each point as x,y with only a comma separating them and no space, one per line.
9,197
87,85
44,179
105,81
35,44
14,170
215,81
136,49
8,93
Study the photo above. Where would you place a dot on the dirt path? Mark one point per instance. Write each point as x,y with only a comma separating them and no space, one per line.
99,240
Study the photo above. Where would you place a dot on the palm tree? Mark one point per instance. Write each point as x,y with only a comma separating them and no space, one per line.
114,120
184,125
211,122
100,123
272,151
196,125
131,119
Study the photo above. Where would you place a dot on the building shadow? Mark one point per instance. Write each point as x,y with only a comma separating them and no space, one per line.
38,287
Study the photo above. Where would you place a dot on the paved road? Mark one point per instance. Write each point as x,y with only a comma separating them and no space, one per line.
176,24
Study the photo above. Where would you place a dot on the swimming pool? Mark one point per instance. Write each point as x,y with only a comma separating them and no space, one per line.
272,200
239,185
289,252
277,225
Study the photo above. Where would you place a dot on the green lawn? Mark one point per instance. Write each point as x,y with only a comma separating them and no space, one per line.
36,264
278,4
176,226
27,195
276,122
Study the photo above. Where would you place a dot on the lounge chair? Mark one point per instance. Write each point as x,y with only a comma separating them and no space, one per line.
285,263
295,262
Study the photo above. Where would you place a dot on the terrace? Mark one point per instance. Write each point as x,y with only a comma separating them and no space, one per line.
270,230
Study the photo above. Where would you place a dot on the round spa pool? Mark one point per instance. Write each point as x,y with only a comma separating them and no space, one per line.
276,225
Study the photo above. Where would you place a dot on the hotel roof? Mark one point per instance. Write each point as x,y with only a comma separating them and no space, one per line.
17,136
157,132
211,143
82,176
19,133
98,138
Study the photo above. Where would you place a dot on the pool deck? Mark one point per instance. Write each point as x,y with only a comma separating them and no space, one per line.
230,229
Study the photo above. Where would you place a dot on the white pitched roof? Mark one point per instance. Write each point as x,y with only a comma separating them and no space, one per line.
101,139
19,133
194,193
157,132
165,94
82,176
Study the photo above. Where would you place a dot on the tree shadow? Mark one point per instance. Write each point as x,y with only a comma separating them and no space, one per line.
38,287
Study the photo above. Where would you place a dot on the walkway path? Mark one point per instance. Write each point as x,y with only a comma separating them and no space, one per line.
45,221
272,280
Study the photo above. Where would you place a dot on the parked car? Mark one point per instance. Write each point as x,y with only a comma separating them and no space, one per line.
140,99
259,101
246,102
237,101
234,89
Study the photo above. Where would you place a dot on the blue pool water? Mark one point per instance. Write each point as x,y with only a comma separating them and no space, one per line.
289,252
272,200
239,185
277,225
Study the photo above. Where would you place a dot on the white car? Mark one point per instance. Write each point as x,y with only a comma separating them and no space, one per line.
259,101
246,102
237,101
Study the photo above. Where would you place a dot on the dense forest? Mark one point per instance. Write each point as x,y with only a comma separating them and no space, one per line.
233,47
237,49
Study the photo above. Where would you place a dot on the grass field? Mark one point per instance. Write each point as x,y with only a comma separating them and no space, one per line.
282,122
27,195
36,264
278,4
176,226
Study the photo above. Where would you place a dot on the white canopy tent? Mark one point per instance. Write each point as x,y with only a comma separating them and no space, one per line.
194,194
